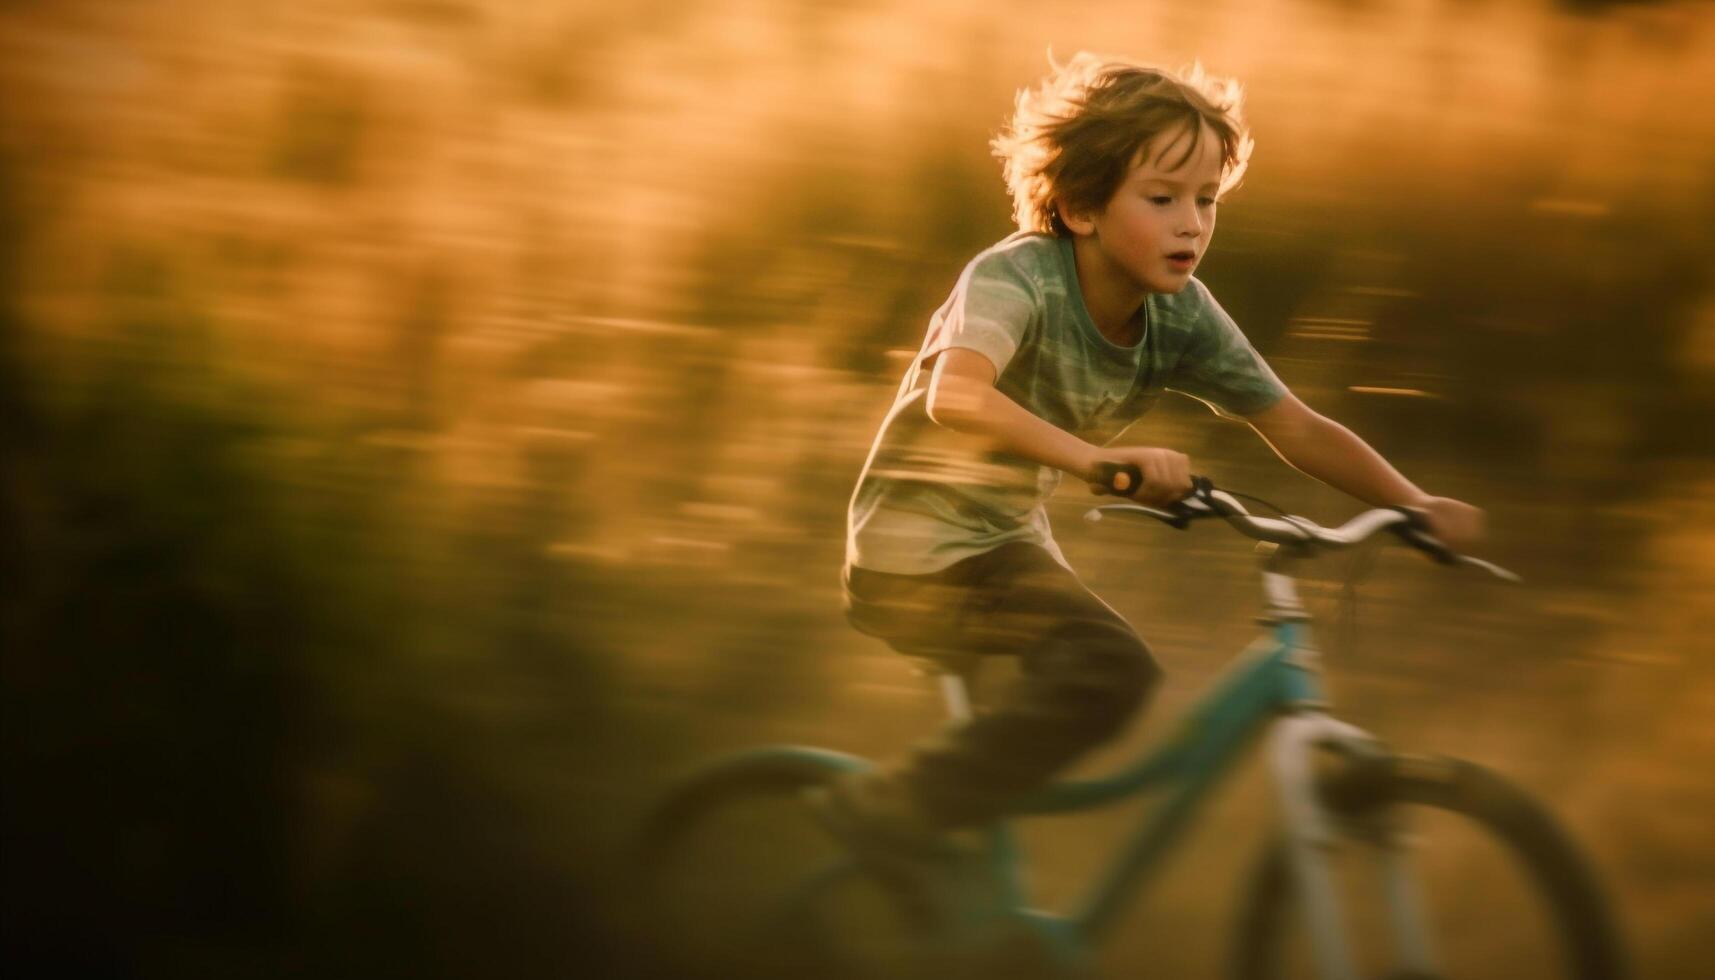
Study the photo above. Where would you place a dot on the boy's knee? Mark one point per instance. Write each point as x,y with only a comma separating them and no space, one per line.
1133,676
1108,670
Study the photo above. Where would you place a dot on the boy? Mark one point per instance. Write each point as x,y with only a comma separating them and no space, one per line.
1052,342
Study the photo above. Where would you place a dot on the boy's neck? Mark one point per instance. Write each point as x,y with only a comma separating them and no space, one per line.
1111,297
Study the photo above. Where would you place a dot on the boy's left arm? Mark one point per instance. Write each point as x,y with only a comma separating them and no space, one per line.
1330,452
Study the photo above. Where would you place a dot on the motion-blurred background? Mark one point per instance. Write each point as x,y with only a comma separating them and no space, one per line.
428,424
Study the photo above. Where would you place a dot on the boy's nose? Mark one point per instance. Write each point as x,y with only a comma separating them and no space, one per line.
1190,224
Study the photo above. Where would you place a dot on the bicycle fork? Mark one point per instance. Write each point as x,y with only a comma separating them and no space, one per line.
1312,833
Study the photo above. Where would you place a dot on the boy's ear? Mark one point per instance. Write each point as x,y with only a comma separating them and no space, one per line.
1077,219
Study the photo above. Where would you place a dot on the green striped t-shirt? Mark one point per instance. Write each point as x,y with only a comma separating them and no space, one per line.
929,496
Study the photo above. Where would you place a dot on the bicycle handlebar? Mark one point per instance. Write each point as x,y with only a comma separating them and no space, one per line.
1208,501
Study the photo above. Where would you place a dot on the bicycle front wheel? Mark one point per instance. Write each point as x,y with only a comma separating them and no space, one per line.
741,879
1496,888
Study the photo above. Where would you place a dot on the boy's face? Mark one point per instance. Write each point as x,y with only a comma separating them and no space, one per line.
1156,227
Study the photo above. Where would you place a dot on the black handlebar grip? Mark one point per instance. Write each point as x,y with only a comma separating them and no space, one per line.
1119,479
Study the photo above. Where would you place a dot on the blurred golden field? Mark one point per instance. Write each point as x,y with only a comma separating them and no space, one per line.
429,425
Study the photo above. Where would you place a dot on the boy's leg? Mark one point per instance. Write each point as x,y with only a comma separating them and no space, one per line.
1084,672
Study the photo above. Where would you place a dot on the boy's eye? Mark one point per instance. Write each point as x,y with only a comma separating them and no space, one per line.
1206,202
1160,199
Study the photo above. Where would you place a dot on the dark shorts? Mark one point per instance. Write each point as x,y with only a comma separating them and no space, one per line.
1083,671
1001,602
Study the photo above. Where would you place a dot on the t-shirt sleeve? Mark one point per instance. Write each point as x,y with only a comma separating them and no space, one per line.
1219,365
989,312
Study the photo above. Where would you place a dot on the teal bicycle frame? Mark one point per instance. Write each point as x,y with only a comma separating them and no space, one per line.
1276,675
1275,683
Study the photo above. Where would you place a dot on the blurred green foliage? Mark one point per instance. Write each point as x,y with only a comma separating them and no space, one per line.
244,735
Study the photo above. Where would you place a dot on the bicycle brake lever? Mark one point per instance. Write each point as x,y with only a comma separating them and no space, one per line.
1492,568
1416,533
1094,514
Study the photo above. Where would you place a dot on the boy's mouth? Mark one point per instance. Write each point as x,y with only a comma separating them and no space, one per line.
1182,258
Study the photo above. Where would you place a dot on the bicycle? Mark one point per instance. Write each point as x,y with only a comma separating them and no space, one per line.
1341,792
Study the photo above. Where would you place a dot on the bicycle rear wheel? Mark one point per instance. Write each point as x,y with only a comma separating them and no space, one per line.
1504,892
741,879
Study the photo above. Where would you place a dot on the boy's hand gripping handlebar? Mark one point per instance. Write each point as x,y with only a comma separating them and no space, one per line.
1125,479
1208,501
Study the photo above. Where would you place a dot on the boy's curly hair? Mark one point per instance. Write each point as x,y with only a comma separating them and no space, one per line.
1076,135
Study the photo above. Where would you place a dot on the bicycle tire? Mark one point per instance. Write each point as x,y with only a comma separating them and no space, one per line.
1577,914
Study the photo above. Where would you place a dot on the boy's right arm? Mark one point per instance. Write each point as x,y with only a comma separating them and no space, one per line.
962,397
